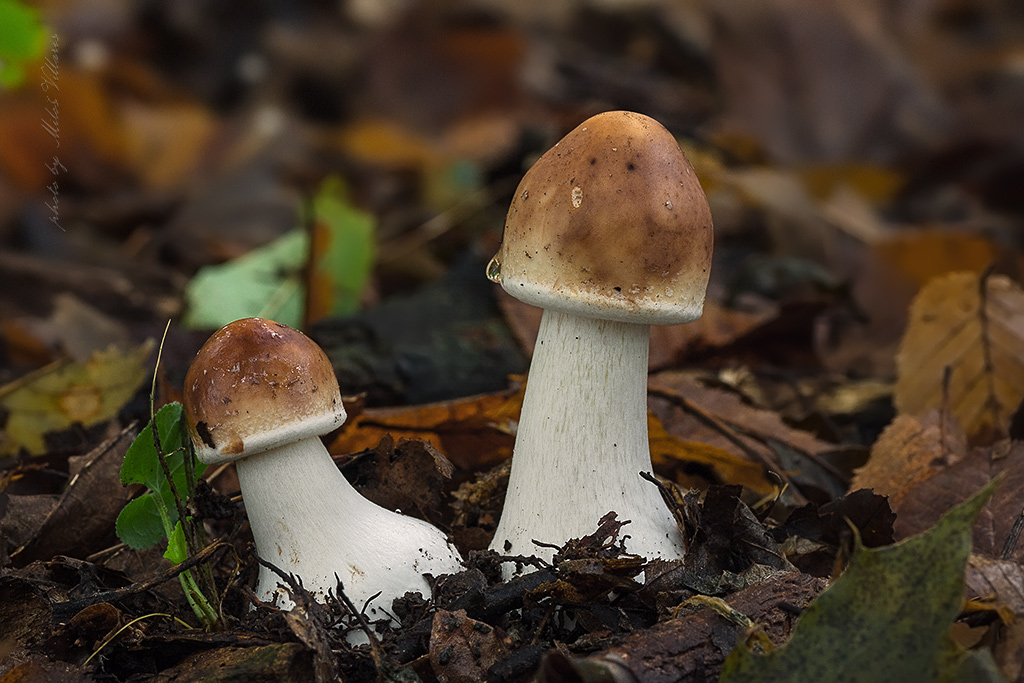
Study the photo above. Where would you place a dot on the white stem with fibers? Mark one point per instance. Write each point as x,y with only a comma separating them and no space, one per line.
307,520
582,442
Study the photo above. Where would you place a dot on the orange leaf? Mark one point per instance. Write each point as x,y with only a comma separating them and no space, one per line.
474,433
920,255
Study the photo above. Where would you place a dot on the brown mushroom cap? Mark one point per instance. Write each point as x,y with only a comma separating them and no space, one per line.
255,385
611,223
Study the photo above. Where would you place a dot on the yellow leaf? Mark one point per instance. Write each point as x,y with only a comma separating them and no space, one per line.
984,349
67,392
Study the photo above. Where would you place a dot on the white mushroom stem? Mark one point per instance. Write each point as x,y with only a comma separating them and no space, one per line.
582,442
307,519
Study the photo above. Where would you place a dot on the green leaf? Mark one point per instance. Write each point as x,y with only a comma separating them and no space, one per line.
139,525
177,549
22,39
887,618
269,282
141,464
343,250
266,282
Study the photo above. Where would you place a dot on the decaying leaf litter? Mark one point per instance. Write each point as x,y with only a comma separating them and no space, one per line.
857,373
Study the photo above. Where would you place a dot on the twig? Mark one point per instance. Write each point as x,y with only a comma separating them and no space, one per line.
947,376
143,586
156,432
991,402
1011,540
702,416
118,632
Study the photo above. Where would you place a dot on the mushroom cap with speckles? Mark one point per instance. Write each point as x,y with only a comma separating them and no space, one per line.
611,223
255,385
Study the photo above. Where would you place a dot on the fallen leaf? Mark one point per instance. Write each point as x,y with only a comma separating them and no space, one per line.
84,515
444,341
69,392
473,433
25,615
927,501
76,328
887,618
686,462
24,515
777,63
877,184
266,282
909,451
387,143
920,255
281,662
408,476
982,344
813,537
463,649
90,133
22,41
722,419
342,253
727,547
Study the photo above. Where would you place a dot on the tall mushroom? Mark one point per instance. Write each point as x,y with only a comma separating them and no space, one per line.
262,394
609,232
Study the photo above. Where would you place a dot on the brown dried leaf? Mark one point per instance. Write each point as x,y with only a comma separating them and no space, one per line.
409,476
84,516
675,458
924,504
24,515
814,536
42,671
749,433
776,65
983,346
909,451
25,616
462,649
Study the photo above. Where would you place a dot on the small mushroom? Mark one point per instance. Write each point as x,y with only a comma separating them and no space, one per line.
609,232
262,394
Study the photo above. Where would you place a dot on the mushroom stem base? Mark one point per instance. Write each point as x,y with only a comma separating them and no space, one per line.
582,442
308,520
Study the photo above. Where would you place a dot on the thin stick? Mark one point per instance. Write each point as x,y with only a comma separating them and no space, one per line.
141,587
130,623
991,402
691,408
156,432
